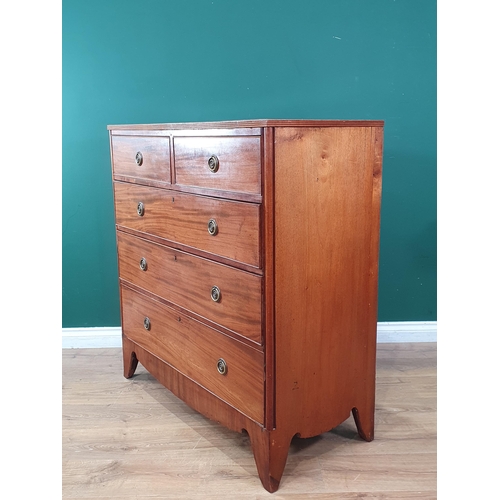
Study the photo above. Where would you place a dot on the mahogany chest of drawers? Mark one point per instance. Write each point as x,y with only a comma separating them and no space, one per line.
248,267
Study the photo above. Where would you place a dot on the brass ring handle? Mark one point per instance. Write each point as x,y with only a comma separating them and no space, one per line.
222,366
213,229
143,264
147,323
213,163
215,294
139,158
140,209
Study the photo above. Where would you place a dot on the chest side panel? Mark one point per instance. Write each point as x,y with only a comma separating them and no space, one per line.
325,329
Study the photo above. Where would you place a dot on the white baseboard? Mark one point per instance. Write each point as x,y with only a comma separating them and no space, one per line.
406,331
387,332
74,338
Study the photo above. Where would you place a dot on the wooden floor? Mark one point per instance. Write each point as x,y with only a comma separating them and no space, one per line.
125,439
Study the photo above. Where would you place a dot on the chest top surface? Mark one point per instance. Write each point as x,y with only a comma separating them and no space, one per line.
233,124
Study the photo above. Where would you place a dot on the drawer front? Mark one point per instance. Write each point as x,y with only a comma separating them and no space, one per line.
184,218
188,281
195,349
236,163
141,157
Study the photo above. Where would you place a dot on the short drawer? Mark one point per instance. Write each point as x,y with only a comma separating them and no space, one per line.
222,294
223,163
141,158
197,351
186,219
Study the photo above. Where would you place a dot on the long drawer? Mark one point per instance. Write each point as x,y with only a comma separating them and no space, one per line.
199,352
221,227
222,294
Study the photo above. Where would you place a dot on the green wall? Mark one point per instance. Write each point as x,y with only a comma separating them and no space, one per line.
151,61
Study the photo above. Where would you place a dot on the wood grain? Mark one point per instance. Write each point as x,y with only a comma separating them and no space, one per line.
180,217
239,163
309,236
267,220
155,153
365,405
127,439
194,349
210,129
187,280
325,333
242,126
